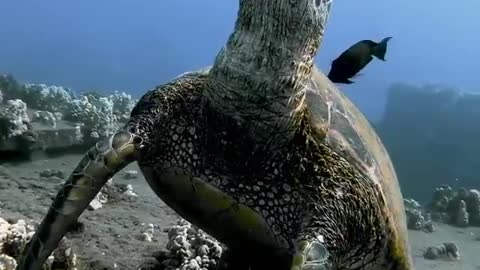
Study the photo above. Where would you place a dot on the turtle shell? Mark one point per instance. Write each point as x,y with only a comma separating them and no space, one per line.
350,134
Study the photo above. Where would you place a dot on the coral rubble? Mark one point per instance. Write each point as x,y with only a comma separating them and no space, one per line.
445,250
15,235
188,248
112,192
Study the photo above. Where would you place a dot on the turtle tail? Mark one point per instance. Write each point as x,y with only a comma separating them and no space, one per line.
98,165
380,49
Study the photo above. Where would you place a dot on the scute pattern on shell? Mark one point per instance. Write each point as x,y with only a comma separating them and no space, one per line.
351,135
192,145
348,131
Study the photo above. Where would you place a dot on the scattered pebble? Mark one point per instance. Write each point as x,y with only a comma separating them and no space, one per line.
131,174
95,204
112,192
129,192
48,173
147,234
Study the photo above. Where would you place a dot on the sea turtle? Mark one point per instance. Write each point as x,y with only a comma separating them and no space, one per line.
261,151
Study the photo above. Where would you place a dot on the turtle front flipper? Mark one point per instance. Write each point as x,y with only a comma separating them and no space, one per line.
99,164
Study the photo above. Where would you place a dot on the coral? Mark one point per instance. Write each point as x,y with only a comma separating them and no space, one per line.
96,114
48,98
188,248
461,216
129,192
101,115
14,119
46,118
411,204
416,219
7,262
37,96
460,208
473,206
13,238
15,128
112,192
147,233
441,196
123,104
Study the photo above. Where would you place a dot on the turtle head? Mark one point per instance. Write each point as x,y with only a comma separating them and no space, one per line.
292,21
268,58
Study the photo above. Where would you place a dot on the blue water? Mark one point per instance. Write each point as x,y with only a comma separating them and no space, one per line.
134,45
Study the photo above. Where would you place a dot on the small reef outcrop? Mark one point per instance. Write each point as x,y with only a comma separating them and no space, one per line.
40,117
188,248
15,235
443,251
459,208
417,217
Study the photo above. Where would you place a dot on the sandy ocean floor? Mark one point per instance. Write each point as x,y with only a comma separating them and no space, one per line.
110,235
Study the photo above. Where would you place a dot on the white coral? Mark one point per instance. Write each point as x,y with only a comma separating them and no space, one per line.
15,117
191,248
147,233
48,97
45,117
13,238
7,262
129,192
96,114
123,104
99,116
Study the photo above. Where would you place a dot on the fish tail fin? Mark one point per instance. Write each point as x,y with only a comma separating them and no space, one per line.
380,50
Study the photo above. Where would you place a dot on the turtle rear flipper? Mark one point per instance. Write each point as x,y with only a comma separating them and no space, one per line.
98,165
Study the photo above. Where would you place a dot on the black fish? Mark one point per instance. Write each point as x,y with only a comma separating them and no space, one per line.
355,58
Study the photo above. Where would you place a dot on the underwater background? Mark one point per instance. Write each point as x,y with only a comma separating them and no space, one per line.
424,103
